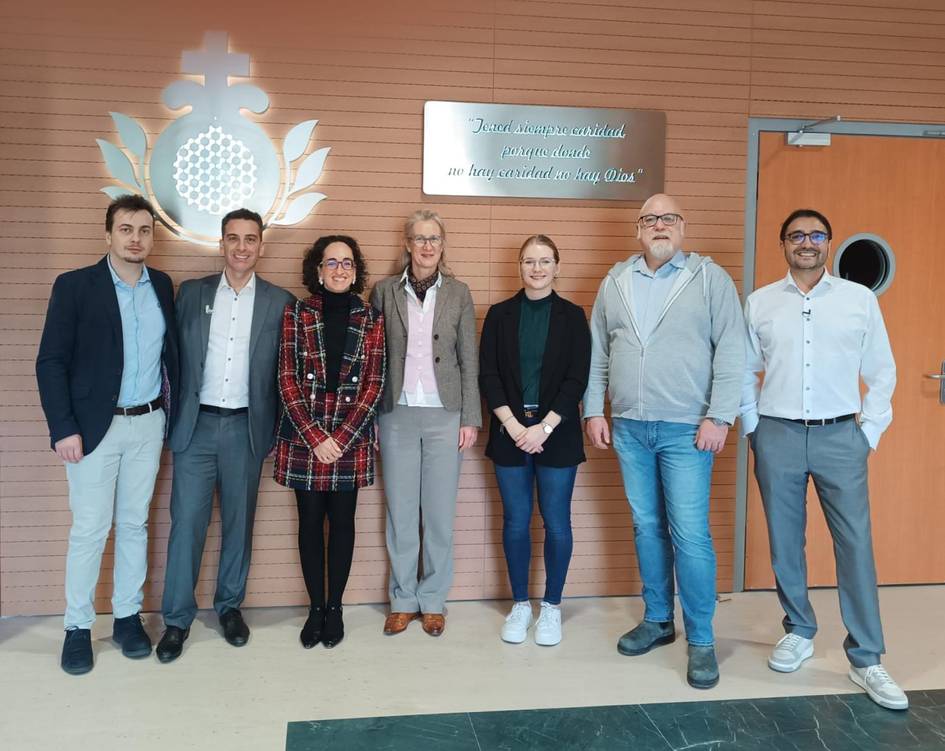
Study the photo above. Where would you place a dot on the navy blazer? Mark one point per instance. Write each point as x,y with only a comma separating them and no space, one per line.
564,370
81,354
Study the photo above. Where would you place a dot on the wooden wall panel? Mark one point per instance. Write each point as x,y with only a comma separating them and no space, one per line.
364,70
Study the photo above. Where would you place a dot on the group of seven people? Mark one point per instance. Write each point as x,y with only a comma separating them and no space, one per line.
237,368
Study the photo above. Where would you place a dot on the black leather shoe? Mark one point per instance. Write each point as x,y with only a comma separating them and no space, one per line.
172,643
129,634
334,630
77,651
235,630
312,630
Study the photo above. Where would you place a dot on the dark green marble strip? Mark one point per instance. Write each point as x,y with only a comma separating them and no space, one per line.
847,722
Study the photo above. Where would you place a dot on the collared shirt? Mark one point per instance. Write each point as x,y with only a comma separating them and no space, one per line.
813,348
650,288
226,369
418,366
142,335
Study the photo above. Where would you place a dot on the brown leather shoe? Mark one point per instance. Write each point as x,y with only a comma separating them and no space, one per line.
397,622
434,623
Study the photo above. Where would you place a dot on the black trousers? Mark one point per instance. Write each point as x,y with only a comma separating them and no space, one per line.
339,506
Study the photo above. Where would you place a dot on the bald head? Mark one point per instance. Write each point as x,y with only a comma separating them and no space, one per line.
660,229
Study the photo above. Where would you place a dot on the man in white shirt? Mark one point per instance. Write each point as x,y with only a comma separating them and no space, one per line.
815,336
229,325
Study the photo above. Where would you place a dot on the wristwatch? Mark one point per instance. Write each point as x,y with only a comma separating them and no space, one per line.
546,427
720,422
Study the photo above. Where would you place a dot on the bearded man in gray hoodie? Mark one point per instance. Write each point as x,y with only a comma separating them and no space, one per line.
668,348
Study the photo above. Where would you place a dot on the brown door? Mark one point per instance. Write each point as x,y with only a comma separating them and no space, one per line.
893,188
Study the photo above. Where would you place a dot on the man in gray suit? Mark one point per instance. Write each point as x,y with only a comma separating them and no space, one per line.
229,326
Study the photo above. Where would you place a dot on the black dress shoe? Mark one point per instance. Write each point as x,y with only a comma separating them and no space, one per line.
235,630
312,630
172,643
129,634
77,651
334,630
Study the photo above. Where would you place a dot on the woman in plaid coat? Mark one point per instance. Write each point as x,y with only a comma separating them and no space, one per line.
331,377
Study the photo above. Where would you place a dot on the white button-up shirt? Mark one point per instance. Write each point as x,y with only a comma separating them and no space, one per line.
420,315
813,348
226,369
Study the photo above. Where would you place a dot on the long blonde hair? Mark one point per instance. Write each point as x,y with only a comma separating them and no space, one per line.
425,215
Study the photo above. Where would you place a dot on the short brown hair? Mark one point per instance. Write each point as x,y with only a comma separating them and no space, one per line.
128,202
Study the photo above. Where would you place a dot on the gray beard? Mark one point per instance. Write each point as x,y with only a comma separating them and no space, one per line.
662,250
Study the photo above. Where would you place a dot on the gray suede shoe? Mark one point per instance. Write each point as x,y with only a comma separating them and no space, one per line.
703,669
645,637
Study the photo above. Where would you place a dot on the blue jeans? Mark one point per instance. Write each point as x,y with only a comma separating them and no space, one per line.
555,485
667,480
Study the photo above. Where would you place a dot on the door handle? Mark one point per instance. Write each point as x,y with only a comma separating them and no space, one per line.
940,377
936,376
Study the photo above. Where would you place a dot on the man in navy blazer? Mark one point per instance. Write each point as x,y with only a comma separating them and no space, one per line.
107,375
228,327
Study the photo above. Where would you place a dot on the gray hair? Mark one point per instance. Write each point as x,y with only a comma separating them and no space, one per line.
425,215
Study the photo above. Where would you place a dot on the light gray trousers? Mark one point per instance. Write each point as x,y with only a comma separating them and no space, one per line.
421,460
835,457
219,456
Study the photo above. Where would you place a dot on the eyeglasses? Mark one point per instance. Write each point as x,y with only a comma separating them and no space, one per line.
650,220
333,263
531,263
420,240
796,238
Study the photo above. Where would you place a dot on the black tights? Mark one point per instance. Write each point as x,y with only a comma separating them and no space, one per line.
313,505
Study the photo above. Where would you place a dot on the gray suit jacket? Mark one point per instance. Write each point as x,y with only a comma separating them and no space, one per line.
455,354
194,298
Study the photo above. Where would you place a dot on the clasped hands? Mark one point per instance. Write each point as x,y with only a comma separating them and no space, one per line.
530,440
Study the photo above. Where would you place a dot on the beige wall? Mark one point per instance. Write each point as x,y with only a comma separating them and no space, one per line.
365,72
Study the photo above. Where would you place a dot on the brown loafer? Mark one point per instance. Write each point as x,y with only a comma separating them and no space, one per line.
397,622
434,623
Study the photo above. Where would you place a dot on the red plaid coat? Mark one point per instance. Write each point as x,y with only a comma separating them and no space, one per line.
311,414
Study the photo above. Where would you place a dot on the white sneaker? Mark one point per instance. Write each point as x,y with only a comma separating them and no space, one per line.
517,623
790,652
548,627
880,687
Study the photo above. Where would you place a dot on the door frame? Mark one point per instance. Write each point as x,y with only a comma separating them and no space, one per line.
757,126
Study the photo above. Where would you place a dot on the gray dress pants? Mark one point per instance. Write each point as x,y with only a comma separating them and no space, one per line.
421,460
835,457
219,456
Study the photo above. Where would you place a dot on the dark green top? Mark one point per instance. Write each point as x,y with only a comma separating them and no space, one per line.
532,335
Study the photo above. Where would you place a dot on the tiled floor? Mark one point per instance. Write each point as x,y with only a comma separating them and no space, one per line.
838,723
219,697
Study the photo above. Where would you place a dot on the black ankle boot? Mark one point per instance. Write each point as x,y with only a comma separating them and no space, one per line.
314,625
334,630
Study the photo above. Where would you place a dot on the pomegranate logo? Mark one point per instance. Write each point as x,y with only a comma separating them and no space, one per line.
213,159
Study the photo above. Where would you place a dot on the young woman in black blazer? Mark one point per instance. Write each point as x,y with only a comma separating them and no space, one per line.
534,359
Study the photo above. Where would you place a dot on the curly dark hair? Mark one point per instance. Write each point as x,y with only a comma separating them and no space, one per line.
315,254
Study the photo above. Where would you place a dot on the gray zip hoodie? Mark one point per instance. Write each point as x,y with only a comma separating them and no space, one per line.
691,365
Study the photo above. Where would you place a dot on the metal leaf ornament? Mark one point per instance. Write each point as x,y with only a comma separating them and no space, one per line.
132,134
299,208
118,164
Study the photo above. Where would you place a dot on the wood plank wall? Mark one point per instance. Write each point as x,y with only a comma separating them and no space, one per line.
364,70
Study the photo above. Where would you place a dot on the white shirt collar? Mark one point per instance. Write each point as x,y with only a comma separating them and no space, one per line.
826,280
250,284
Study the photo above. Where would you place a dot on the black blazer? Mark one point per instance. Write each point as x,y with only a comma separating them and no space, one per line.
564,371
81,354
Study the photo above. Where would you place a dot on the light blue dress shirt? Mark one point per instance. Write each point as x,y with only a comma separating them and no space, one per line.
142,333
650,290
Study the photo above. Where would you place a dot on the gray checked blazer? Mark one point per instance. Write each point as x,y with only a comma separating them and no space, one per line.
194,303
455,353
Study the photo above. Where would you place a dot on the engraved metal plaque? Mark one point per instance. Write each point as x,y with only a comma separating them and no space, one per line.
527,151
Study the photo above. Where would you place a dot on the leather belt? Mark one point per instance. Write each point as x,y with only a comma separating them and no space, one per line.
530,413
818,423
141,409
223,411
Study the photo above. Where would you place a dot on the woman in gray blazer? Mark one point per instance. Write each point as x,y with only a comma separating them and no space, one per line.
429,414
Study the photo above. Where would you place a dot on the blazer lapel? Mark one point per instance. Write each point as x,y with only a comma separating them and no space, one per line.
110,298
261,305
554,341
400,301
512,352
208,293
353,338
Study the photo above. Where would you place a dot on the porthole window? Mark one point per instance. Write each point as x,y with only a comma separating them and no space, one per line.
866,259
